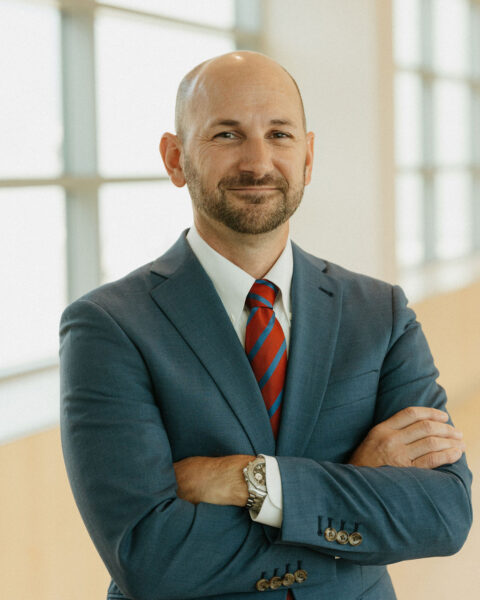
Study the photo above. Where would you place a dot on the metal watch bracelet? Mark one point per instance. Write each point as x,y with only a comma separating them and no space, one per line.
255,477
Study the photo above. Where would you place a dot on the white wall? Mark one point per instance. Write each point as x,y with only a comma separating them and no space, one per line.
340,54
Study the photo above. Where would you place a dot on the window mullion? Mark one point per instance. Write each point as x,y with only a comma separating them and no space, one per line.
80,149
428,142
248,20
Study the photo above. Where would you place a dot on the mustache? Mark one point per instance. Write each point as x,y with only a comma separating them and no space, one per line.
247,180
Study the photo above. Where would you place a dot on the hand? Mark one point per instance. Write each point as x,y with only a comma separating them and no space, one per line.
416,436
215,480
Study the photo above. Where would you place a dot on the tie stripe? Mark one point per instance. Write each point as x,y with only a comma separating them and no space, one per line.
266,347
252,314
264,301
274,385
262,338
275,405
267,283
273,365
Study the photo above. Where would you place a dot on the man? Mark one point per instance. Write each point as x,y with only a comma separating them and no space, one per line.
238,416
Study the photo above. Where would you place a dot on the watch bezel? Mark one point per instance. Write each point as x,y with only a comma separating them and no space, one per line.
260,489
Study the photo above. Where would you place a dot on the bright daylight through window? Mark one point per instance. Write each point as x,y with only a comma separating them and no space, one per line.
437,129
84,197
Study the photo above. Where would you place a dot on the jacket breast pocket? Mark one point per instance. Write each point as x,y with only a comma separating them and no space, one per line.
346,416
342,392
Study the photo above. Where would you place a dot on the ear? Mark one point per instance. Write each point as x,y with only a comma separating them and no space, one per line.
171,151
309,157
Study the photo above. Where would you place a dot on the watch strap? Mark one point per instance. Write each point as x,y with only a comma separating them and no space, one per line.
254,502
255,499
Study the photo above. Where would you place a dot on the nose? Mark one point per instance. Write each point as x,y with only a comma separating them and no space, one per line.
256,157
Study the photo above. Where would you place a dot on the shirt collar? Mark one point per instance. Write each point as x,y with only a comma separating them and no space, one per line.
232,283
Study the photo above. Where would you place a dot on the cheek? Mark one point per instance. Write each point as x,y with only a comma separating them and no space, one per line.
214,162
294,174
291,165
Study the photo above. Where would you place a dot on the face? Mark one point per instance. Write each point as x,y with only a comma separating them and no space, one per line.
242,203
246,157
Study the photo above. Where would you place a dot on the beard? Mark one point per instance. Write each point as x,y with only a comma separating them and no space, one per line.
255,213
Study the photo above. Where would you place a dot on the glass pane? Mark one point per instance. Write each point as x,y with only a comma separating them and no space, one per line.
451,122
140,65
408,122
138,222
451,36
220,13
453,235
30,113
32,258
406,31
409,220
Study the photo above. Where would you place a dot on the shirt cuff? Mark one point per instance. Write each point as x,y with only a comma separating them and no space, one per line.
271,512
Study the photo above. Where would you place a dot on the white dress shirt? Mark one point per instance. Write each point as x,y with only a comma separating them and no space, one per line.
232,285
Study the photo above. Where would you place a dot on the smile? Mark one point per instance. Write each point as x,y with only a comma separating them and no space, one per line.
253,189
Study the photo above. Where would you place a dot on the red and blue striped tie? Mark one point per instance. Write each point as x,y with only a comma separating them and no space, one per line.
266,348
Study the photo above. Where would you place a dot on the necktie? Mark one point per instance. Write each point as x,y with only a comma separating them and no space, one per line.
267,351
266,347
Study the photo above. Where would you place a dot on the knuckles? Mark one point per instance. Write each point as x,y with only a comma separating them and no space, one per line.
412,412
427,427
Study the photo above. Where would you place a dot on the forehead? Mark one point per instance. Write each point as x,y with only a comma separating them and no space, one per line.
246,95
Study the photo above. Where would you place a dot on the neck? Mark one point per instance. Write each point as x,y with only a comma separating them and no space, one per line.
253,253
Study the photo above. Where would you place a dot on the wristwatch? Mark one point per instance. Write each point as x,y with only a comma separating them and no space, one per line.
255,476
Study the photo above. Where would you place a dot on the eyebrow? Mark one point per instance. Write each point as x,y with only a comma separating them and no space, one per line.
234,123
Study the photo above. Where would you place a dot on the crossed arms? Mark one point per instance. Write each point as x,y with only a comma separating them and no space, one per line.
132,496
416,436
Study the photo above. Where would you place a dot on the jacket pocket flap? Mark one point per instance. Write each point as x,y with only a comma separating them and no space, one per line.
345,391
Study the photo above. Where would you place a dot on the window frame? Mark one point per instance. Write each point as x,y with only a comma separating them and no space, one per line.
81,179
428,169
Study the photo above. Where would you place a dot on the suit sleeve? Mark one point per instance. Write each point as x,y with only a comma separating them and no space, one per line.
119,464
401,513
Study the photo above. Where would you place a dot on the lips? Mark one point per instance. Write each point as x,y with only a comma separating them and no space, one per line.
253,189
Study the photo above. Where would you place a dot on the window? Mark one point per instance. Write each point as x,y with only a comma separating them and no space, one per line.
84,197
437,129
33,273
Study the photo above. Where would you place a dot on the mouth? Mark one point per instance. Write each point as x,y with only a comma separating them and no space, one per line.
253,189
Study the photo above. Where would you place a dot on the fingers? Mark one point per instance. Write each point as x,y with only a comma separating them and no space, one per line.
427,428
433,445
412,414
416,436
437,459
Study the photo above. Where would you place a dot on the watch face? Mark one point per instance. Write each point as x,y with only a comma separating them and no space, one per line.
257,475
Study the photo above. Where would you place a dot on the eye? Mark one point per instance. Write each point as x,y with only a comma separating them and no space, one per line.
228,135
280,134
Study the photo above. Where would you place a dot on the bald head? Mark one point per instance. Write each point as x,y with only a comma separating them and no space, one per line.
239,68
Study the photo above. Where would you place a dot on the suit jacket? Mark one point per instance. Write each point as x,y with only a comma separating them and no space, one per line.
152,371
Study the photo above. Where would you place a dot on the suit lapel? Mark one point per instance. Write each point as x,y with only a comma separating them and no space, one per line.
316,310
189,300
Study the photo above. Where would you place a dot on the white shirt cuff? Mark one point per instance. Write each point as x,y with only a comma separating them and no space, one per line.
271,512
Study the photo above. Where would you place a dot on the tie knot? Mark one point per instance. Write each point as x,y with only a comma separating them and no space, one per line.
262,294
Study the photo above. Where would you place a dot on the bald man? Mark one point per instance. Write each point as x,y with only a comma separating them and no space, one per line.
238,416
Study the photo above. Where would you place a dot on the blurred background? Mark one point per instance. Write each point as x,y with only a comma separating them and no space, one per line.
392,91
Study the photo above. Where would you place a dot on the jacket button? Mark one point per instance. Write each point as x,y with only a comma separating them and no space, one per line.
342,537
275,583
262,585
355,538
300,575
288,579
330,534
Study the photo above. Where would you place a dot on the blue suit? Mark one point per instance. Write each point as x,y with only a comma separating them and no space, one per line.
152,371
